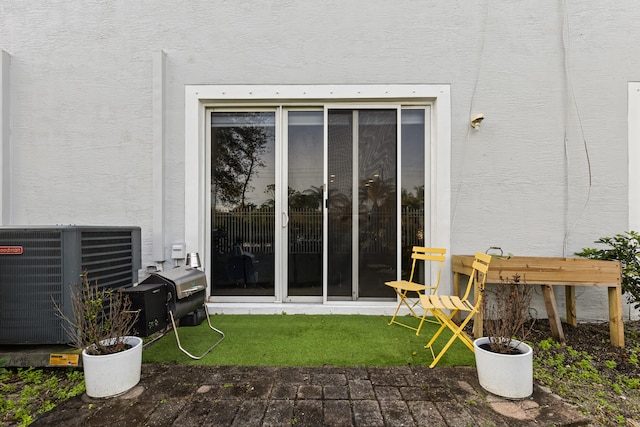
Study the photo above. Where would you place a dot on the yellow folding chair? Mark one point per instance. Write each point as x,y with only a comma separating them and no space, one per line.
454,304
404,288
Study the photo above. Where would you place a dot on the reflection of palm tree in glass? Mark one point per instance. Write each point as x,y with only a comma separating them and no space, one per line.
340,203
315,193
412,217
340,213
305,220
411,200
377,202
310,198
376,193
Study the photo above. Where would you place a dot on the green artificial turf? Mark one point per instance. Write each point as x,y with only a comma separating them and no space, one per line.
306,340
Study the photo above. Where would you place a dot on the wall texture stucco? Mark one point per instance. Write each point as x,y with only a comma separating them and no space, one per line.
550,77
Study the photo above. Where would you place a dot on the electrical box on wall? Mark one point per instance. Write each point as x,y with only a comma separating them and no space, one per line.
178,251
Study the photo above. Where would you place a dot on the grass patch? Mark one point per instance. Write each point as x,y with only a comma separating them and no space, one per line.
306,340
603,391
26,393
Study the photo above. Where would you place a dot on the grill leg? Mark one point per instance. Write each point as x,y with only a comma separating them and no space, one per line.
175,330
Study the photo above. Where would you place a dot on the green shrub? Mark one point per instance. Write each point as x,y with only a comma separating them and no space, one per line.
626,249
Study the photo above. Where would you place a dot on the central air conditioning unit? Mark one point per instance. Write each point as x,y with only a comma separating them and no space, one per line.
39,265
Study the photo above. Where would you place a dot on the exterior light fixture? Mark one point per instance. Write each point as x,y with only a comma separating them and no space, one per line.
476,120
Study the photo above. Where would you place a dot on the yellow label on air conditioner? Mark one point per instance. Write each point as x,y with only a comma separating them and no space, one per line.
64,359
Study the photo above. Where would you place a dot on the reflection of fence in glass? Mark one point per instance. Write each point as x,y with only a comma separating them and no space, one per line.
412,228
305,231
412,235
253,230
377,232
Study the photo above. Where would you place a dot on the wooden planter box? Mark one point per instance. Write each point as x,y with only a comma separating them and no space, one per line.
548,272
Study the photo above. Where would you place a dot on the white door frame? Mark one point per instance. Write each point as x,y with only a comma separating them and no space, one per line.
633,123
199,97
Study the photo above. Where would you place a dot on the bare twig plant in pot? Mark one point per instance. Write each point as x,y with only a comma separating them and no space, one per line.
100,326
503,360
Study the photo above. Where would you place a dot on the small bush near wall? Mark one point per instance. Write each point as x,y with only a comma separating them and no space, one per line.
625,248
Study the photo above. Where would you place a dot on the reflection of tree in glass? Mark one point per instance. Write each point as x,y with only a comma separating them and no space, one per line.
311,198
375,194
376,205
340,203
413,201
270,190
412,218
236,157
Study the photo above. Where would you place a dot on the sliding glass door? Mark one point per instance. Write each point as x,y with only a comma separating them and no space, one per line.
304,228
362,202
243,170
316,203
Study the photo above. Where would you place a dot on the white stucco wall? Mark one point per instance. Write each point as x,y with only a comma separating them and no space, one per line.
81,97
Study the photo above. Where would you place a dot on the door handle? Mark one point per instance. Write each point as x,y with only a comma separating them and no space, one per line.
285,219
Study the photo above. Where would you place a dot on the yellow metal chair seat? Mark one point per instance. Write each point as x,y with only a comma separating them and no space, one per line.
445,302
405,285
406,289
454,304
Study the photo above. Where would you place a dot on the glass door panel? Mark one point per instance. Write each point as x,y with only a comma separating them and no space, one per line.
412,193
372,193
242,203
340,203
305,199
362,214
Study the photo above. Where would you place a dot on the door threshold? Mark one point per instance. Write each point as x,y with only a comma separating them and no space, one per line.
377,308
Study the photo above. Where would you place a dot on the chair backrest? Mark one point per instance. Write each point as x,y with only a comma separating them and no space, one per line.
427,254
478,275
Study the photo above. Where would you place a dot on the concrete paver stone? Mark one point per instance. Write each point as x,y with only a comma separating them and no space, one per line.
179,395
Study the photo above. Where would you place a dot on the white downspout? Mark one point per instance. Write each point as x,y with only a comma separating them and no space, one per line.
5,140
159,137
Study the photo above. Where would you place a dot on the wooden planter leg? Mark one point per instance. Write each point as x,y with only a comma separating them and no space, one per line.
616,325
570,300
552,314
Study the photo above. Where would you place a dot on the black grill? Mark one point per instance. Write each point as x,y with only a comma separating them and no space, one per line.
186,289
186,293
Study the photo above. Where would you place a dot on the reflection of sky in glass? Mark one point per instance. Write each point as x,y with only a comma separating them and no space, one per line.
242,119
412,149
265,176
305,149
305,145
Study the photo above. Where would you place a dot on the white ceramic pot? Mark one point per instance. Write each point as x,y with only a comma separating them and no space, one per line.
506,375
113,374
